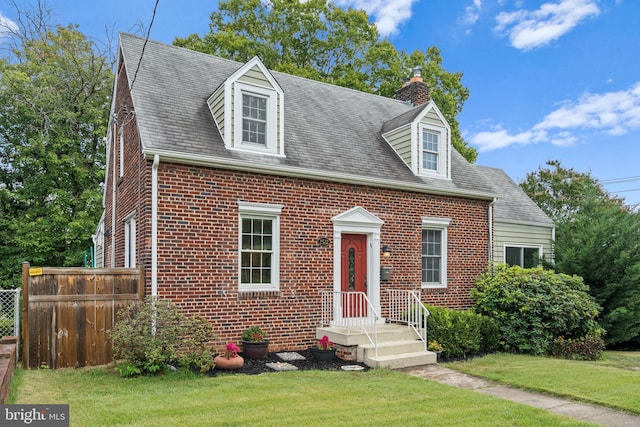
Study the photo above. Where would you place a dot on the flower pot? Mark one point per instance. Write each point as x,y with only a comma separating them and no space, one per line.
230,363
255,350
323,355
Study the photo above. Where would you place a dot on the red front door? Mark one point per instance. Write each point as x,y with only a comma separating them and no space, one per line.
354,274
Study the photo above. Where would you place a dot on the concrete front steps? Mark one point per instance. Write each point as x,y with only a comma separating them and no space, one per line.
398,346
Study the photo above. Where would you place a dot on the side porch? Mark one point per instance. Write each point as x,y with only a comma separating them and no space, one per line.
361,334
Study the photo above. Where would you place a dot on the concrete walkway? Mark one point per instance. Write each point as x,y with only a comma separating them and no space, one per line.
582,411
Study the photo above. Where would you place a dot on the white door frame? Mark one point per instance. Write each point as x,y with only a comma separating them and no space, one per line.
358,220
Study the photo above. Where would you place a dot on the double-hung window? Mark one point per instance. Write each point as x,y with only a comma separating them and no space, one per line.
259,246
523,256
432,152
434,252
254,119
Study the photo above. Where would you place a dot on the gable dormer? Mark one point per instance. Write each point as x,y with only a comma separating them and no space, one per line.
248,109
422,138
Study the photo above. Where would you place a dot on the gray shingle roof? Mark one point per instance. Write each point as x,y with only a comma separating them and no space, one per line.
328,129
512,203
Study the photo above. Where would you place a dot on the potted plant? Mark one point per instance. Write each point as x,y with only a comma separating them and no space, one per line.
254,343
324,351
230,359
436,347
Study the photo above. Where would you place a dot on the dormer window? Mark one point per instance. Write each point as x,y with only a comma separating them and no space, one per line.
430,151
254,119
248,109
432,155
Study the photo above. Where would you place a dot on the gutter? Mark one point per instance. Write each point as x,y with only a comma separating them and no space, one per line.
154,226
298,172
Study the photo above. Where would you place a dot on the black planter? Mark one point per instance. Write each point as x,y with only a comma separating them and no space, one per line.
255,350
323,355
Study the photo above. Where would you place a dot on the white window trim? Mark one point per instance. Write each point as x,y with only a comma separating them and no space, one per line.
272,118
441,224
443,144
258,211
506,245
130,241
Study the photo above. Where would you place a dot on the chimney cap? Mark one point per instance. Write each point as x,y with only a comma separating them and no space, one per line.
417,75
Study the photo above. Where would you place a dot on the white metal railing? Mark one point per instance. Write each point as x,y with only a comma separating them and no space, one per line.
353,311
405,307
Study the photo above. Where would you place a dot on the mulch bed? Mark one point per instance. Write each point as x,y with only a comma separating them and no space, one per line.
253,367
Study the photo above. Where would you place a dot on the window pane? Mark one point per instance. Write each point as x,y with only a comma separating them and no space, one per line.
531,257
429,161
513,256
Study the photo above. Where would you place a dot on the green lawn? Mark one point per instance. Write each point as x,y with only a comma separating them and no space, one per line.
98,397
613,381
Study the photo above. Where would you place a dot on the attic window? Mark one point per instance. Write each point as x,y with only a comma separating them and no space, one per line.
254,119
255,111
432,150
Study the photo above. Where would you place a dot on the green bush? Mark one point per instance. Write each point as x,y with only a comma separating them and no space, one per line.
534,306
462,333
148,336
589,347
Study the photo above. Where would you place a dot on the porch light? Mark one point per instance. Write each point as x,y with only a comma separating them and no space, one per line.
386,251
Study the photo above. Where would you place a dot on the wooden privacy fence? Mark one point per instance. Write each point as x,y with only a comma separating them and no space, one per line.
67,313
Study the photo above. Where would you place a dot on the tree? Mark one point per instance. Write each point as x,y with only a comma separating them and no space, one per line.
596,238
320,41
54,102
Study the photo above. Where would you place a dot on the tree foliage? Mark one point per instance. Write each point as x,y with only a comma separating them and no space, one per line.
320,41
54,101
596,238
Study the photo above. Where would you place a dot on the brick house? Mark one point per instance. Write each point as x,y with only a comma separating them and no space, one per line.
249,196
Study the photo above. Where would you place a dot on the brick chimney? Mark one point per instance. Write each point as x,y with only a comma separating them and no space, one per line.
415,90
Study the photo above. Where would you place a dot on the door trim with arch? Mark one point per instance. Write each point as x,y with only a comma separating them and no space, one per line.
358,220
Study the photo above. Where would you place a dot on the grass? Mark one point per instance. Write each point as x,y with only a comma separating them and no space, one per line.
613,381
311,398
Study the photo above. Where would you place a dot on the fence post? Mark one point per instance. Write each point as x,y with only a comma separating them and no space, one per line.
25,315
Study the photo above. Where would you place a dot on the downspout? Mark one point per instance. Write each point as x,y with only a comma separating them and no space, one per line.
154,226
491,233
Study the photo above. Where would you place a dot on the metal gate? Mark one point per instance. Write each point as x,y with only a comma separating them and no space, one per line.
10,313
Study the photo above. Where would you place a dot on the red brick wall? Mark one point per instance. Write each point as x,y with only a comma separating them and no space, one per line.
198,235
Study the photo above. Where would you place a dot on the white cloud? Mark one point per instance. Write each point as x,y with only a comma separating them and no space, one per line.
612,113
528,29
7,26
472,12
388,14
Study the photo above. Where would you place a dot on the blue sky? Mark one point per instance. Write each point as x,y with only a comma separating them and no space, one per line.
548,80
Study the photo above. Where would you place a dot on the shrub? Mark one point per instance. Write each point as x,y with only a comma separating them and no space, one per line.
150,335
461,332
534,306
589,347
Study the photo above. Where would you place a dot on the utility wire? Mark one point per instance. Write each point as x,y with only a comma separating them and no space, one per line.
620,180
153,17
